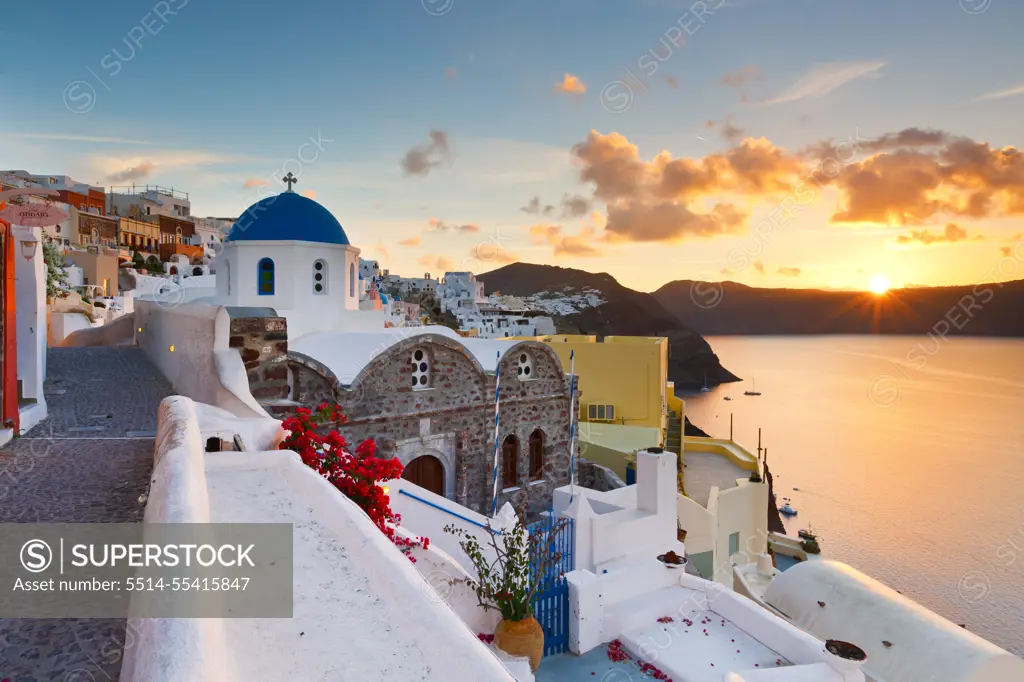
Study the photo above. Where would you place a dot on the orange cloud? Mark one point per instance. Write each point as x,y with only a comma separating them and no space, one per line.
941,175
133,173
436,225
439,262
309,193
582,244
411,241
253,182
665,199
952,234
571,85
909,177
789,272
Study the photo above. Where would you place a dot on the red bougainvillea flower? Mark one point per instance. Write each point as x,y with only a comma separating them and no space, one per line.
357,475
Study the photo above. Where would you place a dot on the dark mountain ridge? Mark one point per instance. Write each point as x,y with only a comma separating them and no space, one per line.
625,312
722,308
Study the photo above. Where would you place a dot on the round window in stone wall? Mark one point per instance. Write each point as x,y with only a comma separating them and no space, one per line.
525,366
420,368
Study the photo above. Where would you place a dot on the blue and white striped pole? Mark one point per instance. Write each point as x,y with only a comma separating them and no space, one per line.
572,425
497,393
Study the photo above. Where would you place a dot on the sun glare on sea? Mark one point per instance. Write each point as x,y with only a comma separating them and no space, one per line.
880,284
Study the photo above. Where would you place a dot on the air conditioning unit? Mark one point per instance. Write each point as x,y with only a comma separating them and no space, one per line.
601,413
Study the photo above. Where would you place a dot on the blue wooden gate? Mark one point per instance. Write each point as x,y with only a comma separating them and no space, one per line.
551,601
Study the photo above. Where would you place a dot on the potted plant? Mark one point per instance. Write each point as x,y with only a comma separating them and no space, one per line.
672,560
507,581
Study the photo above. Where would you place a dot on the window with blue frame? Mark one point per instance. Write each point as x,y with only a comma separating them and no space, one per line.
265,274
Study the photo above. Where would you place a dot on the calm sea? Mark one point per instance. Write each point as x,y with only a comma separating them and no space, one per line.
908,454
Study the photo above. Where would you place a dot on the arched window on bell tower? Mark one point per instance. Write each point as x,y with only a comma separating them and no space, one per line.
265,277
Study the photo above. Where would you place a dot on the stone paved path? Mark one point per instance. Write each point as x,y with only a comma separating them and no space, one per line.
88,462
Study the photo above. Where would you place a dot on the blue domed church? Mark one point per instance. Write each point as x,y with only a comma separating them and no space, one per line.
289,253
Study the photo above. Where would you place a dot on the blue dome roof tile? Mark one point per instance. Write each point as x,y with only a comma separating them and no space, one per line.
286,217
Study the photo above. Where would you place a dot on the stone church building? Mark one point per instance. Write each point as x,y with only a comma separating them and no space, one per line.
424,394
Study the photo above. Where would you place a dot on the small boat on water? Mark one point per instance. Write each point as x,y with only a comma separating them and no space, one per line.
705,389
727,398
806,534
787,508
753,389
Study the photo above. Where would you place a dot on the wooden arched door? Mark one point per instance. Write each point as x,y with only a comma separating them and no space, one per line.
426,472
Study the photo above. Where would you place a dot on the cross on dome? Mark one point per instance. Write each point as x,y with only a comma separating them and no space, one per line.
290,180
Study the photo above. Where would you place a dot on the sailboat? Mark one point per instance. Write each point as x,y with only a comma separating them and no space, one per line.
705,389
753,390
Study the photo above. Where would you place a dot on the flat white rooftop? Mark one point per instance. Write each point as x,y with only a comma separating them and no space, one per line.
359,612
706,469
699,645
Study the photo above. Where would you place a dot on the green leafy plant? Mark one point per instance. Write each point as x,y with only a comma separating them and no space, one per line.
505,583
57,285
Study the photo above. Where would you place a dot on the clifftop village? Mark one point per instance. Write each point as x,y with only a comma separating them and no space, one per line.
470,494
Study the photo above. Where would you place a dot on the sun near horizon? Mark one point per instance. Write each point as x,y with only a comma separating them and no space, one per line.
880,284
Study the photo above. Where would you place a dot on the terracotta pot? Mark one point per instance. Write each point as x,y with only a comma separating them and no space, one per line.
521,638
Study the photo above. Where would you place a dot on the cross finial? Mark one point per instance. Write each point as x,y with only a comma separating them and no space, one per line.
290,180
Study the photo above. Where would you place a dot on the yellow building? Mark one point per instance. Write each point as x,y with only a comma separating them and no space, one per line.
623,379
140,235
624,395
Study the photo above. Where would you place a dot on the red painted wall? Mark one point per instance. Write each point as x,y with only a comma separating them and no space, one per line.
9,359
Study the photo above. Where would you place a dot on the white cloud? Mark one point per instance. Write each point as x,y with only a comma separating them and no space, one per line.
1000,94
825,78
71,137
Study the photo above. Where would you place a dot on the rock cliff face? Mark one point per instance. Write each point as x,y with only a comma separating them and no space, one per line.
618,311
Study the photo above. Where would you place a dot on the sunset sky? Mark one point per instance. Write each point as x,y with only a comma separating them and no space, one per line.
798,143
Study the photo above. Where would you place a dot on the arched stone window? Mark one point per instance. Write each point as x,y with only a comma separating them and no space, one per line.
536,454
525,367
352,280
509,462
174,269
265,277
320,280
197,271
420,361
